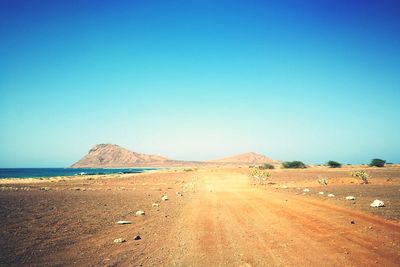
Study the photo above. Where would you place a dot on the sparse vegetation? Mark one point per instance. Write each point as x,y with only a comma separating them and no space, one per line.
333,164
294,165
323,181
363,175
259,176
377,163
266,166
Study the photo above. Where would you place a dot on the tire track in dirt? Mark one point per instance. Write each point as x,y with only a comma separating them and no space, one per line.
234,224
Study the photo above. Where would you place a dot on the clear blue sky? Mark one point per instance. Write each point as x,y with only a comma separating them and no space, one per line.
295,80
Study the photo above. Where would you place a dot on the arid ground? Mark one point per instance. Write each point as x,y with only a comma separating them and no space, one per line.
218,219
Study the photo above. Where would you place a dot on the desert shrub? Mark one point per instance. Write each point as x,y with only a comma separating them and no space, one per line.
323,181
294,165
266,166
363,175
333,164
377,163
259,176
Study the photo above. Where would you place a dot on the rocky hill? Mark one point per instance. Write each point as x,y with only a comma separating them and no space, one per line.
247,158
109,155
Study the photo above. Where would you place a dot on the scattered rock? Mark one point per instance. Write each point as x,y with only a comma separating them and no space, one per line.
284,186
124,222
137,237
377,204
179,194
140,213
155,205
306,190
331,195
350,198
353,222
45,188
119,240
164,198
321,193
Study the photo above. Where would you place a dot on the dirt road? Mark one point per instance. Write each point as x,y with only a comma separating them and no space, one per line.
231,223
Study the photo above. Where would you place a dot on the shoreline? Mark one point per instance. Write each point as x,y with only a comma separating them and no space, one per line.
28,180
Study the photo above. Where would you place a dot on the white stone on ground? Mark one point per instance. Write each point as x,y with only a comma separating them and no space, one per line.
124,222
321,193
350,198
164,198
331,195
306,190
377,204
154,205
140,213
119,240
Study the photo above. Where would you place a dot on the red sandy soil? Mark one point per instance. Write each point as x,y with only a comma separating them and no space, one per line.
220,220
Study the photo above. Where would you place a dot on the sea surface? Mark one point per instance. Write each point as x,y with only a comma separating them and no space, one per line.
50,172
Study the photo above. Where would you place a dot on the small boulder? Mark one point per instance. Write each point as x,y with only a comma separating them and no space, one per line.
306,190
321,193
331,195
164,198
284,186
377,204
140,213
137,237
350,198
155,205
119,240
124,222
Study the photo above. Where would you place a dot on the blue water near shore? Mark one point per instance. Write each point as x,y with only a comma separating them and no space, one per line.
50,172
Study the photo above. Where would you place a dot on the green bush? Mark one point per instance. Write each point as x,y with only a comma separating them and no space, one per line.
377,163
333,164
294,165
266,166
323,181
259,176
363,175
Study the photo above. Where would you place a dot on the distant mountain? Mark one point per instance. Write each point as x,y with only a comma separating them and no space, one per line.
109,155
247,158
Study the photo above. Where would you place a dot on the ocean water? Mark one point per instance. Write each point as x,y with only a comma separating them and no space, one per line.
50,172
